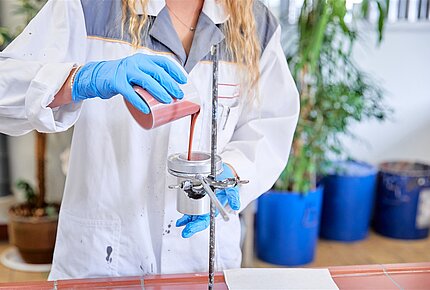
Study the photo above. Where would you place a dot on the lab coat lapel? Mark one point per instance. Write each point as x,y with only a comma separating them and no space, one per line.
162,30
207,34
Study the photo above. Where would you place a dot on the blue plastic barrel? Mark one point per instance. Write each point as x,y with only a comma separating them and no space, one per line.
349,191
287,227
403,200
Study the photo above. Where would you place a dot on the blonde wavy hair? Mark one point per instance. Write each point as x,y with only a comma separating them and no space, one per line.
240,30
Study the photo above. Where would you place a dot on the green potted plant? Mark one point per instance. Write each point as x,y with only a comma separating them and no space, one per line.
26,9
334,92
5,36
32,224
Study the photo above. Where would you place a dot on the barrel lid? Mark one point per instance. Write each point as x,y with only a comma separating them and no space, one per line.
351,168
406,168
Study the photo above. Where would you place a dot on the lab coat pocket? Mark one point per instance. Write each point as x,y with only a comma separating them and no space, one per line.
229,107
87,247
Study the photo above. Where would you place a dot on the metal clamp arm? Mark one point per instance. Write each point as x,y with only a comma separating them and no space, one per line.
213,197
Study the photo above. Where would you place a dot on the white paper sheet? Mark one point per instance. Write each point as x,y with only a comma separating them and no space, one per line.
268,278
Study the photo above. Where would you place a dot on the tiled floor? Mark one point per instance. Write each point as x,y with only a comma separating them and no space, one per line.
374,250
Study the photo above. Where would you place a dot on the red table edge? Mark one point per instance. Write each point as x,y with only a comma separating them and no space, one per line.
342,271
201,278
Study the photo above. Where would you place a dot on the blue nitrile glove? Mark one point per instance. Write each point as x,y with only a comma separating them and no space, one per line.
105,79
197,223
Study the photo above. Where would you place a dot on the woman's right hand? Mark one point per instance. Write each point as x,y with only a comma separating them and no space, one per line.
156,74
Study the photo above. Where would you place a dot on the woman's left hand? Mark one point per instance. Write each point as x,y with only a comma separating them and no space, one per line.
196,223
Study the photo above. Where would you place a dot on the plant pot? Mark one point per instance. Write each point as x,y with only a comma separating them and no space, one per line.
348,201
287,226
34,237
402,208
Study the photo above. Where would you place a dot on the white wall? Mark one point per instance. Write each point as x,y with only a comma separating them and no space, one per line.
402,66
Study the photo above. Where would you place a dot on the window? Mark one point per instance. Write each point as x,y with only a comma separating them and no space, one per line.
399,11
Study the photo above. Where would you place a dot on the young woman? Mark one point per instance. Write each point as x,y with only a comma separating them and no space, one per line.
69,67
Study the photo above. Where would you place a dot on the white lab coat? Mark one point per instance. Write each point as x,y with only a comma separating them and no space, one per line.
116,191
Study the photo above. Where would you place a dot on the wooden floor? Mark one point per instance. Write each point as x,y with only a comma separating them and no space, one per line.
8,275
374,250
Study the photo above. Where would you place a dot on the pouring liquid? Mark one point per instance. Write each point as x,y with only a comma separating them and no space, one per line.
161,114
192,126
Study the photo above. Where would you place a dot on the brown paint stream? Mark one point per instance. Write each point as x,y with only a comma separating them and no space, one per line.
190,141
161,114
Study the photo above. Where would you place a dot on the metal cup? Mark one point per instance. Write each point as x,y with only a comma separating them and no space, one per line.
160,113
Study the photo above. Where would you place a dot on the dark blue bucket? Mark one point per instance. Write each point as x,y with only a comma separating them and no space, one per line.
287,227
403,200
348,201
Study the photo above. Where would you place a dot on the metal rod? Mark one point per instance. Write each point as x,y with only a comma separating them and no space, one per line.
213,168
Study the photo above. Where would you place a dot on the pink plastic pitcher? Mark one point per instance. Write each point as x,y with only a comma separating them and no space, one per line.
160,113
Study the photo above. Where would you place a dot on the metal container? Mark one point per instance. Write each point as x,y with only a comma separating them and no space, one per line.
402,205
159,113
191,198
